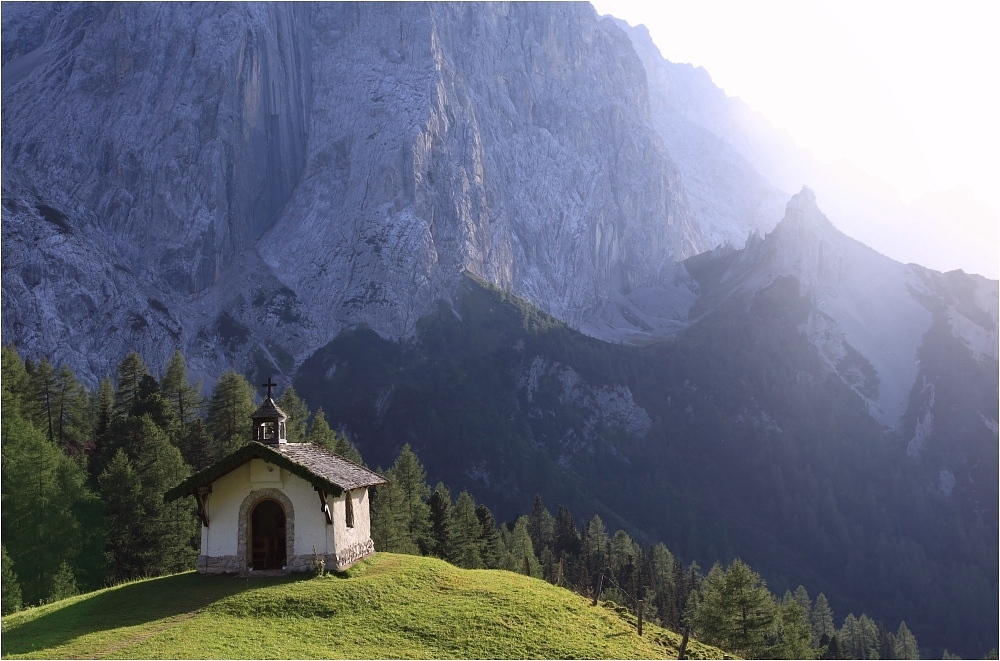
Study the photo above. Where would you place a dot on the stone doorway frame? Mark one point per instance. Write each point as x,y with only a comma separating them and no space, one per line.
243,547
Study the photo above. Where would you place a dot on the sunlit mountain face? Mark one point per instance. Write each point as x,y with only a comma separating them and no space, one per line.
517,238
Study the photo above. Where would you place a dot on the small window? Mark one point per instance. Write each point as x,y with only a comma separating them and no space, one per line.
349,509
266,431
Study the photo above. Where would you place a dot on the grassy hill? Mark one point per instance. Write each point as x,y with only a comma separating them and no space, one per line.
388,606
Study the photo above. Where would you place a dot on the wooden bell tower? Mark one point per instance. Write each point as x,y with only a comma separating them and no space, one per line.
269,420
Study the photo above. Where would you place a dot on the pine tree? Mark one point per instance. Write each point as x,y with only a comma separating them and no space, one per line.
160,537
196,445
229,411
183,400
409,477
102,414
822,620
44,490
597,544
519,550
15,382
43,405
541,525
465,532
10,595
440,514
297,412
566,538
168,530
64,395
63,584
320,433
735,610
490,540
662,583
121,492
906,644
622,551
346,449
128,394
794,632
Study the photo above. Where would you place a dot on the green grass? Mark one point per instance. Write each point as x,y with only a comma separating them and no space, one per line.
388,606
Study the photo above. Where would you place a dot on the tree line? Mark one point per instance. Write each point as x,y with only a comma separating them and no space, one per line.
730,607
84,473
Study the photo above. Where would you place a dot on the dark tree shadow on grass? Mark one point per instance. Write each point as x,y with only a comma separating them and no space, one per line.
126,606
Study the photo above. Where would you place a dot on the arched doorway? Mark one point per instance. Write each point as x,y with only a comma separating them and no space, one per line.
267,535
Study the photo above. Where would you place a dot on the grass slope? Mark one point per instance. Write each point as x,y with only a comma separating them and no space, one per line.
388,606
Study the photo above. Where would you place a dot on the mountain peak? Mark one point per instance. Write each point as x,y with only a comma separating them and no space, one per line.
802,207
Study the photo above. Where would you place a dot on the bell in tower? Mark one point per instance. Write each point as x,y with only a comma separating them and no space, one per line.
269,420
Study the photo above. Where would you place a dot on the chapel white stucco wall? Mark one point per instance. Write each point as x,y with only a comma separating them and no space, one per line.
223,542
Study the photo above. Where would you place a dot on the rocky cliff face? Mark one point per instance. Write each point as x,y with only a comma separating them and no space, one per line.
146,148
244,181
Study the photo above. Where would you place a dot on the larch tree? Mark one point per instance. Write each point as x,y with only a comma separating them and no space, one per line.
297,412
229,410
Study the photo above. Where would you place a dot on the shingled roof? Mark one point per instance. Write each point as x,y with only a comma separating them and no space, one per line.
269,410
319,467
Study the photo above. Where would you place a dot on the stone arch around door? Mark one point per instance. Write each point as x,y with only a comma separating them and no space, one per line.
246,507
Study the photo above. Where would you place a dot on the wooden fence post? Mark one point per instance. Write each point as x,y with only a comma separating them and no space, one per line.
600,584
640,617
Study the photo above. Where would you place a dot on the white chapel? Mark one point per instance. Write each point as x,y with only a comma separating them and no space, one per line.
273,505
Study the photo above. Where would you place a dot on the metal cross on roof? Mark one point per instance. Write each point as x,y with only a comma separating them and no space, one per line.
269,385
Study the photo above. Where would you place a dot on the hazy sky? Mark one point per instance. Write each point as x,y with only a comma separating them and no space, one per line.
907,91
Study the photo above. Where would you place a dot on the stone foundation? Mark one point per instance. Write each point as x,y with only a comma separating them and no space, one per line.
226,564
350,555
231,564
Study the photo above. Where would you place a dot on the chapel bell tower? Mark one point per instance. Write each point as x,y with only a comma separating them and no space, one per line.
269,420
